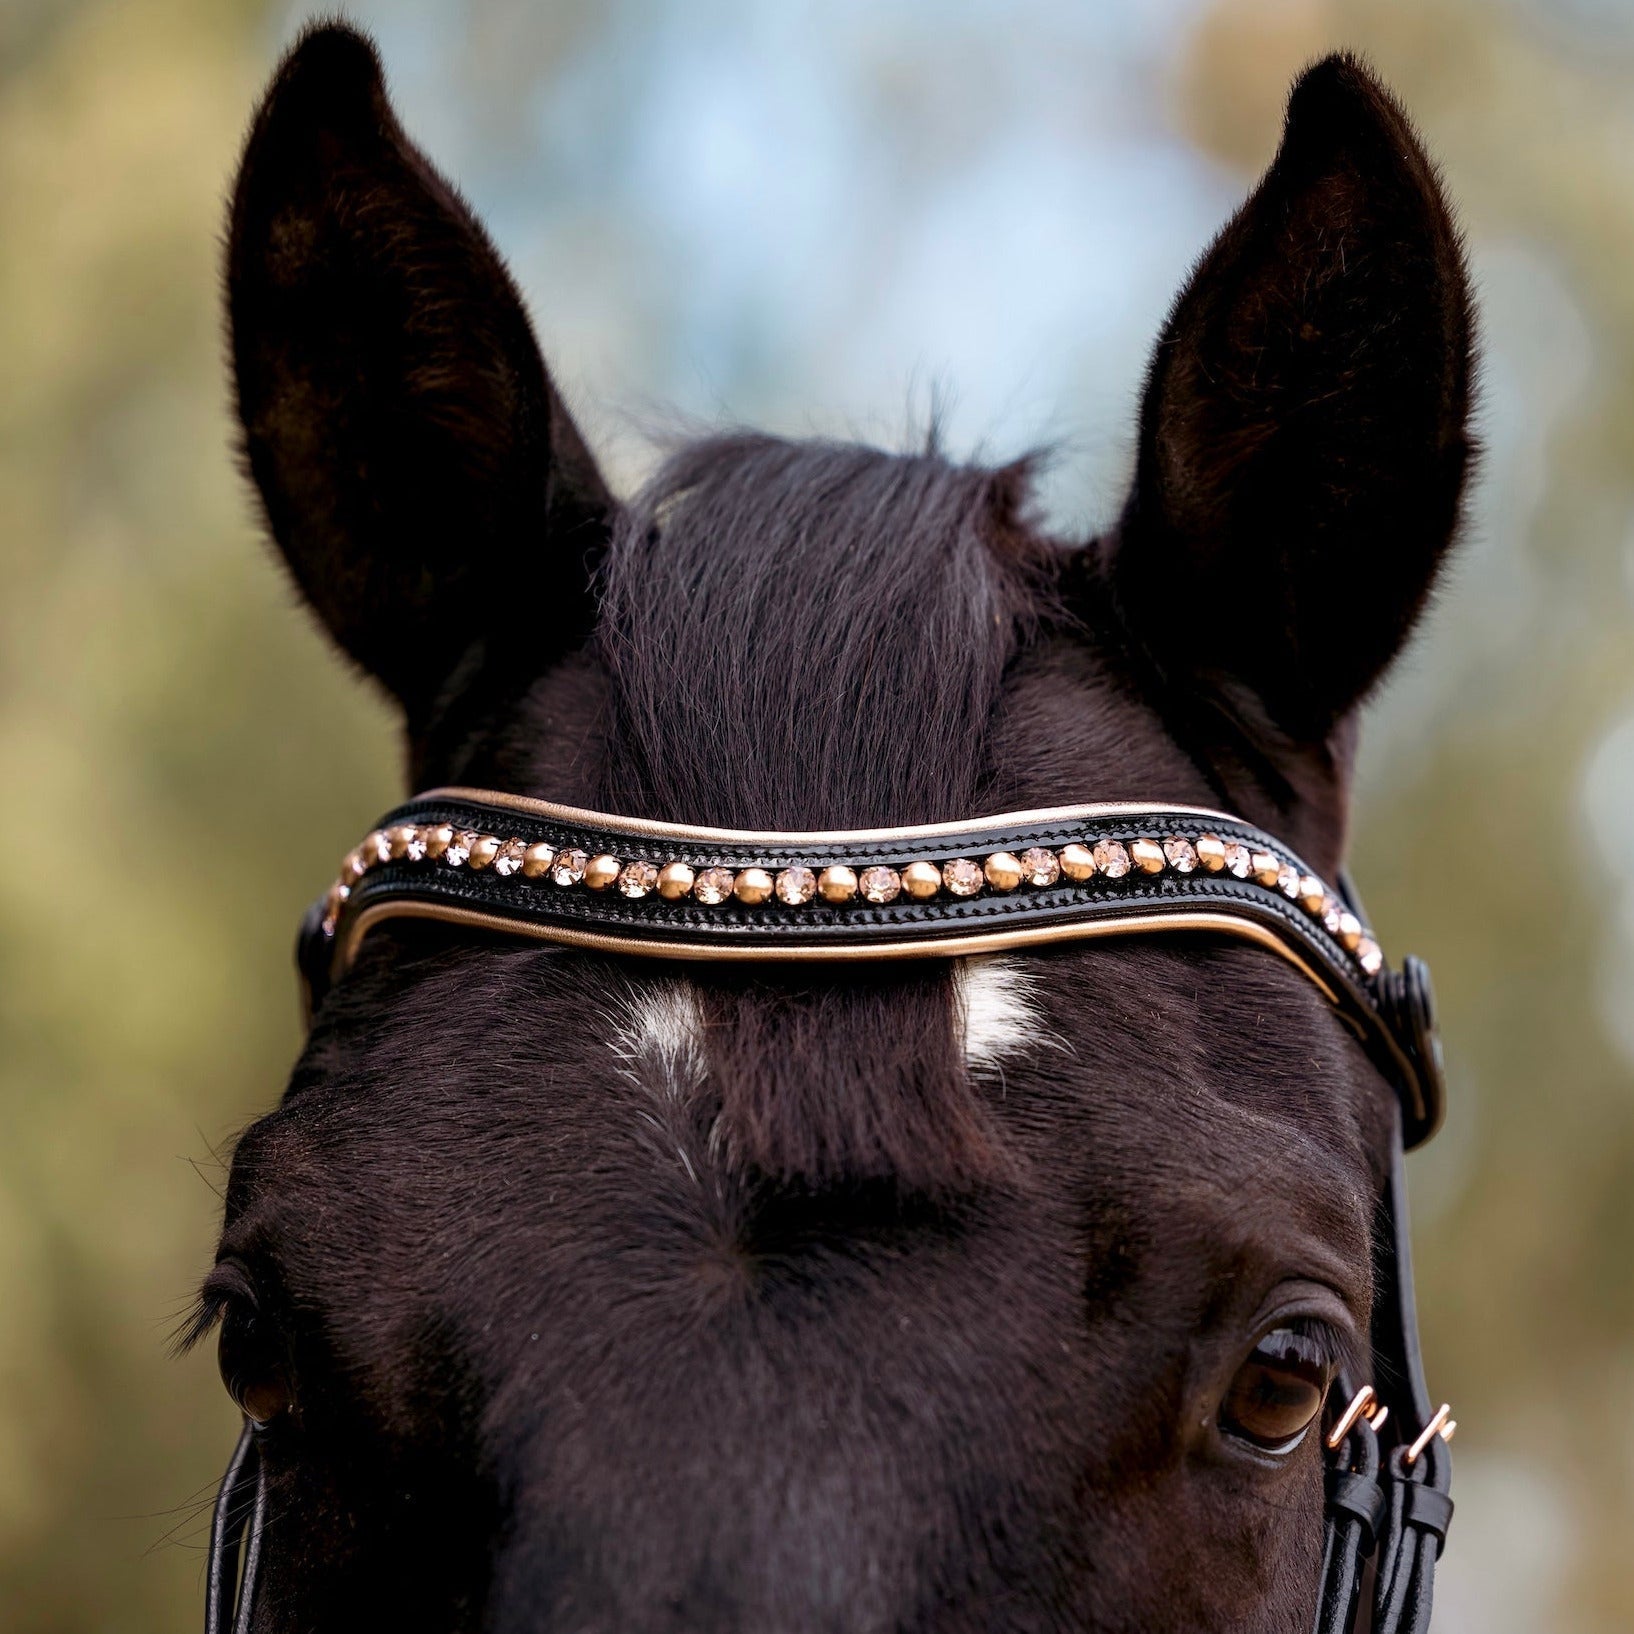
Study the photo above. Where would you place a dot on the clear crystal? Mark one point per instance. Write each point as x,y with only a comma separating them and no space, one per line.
1239,860
568,868
459,848
508,858
880,884
414,847
1182,854
1111,858
962,876
1288,881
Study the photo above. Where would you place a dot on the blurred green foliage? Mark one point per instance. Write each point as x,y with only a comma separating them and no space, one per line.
186,759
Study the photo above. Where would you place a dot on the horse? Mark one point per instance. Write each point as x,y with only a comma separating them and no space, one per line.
569,1291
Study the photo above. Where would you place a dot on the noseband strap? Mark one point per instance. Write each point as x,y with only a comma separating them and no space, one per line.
527,868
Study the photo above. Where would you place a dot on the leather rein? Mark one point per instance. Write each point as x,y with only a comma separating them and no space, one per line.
499,863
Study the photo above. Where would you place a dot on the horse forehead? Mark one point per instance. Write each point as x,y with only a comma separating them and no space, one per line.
657,1029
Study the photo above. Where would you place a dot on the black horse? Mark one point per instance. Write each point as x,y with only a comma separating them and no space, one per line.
579,1293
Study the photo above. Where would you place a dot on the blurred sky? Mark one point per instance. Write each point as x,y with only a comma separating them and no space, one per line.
832,219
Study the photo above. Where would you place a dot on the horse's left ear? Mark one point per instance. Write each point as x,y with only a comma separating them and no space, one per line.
422,477
1304,435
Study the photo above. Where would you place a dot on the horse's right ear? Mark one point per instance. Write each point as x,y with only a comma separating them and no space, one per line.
420,474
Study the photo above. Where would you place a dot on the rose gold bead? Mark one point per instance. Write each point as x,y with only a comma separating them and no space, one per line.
1370,956
1350,931
962,877
483,850
1182,854
1147,856
508,859
1039,866
1077,861
714,886
1003,871
1239,860
754,886
921,880
568,868
1265,867
796,886
675,880
837,883
1112,858
880,884
536,860
376,848
459,848
1311,894
438,840
602,871
636,878
397,839
1211,852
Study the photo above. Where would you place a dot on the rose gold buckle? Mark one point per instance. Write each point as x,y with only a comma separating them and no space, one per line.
1364,1405
1441,1424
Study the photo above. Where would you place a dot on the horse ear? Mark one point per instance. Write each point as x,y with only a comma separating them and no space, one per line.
1304,433
420,474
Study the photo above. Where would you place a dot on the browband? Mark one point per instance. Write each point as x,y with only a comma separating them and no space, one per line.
618,885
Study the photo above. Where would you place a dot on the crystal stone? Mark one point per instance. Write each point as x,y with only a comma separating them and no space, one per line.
568,868
1182,854
880,884
1369,956
458,849
637,878
1040,866
1112,858
796,886
414,847
1239,860
1288,881
508,859
962,877
714,886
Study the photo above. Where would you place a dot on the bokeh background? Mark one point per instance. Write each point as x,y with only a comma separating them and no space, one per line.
810,218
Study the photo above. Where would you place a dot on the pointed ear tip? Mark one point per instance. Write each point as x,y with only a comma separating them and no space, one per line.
1341,91
330,59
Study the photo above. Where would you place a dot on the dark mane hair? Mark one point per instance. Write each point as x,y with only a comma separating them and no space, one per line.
810,634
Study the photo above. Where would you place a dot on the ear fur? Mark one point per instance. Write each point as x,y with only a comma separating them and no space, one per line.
1304,433
419,472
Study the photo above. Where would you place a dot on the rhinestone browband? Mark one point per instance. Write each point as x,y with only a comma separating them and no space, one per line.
611,884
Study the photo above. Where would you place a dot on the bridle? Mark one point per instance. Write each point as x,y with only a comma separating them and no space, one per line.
582,879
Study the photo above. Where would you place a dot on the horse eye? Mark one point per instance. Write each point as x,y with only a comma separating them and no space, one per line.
1278,1392
252,1367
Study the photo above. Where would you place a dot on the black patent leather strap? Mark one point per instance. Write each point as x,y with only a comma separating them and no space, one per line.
235,1539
